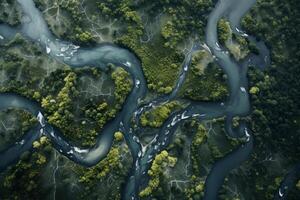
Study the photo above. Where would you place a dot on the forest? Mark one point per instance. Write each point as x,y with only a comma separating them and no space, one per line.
81,101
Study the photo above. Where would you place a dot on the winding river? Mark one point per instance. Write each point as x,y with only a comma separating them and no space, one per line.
34,28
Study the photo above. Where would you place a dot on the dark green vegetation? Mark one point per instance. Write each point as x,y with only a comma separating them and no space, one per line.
108,175
157,116
22,180
60,107
46,173
275,117
224,32
155,31
161,163
13,124
10,12
179,172
238,46
205,81
25,70
274,95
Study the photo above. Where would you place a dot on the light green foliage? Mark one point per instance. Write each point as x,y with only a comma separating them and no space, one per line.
61,110
237,45
123,84
196,190
254,90
158,62
102,118
106,177
101,113
22,181
183,18
298,185
84,36
27,121
200,187
224,32
207,85
60,106
40,143
37,95
199,139
209,144
161,56
160,162
205,81
101,170
200,60
157,116
41,159
118,136
120,9
36,144
168,32
236,121
200,136
278,181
